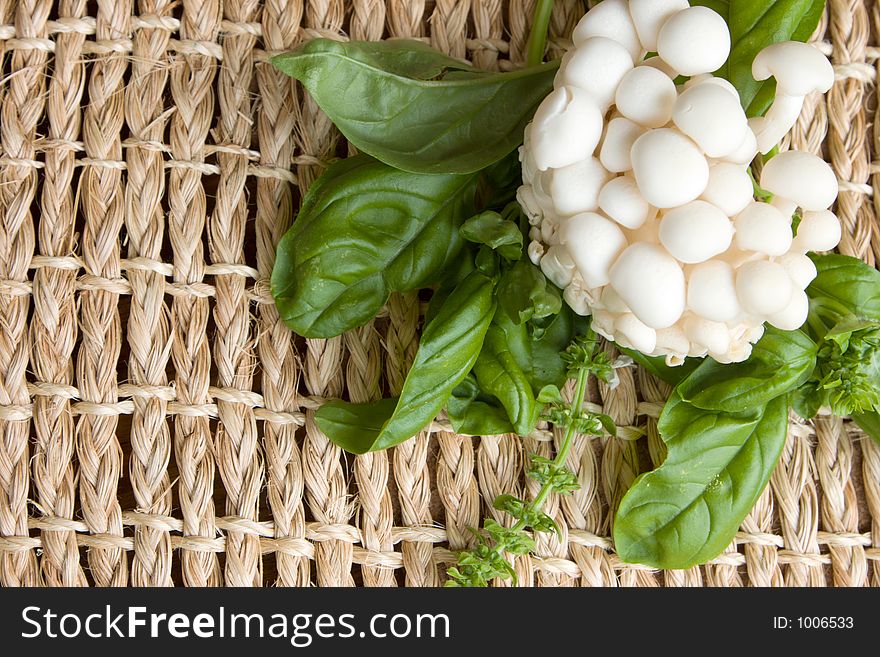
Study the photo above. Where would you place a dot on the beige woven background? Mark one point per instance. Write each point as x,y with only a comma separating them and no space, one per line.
155,415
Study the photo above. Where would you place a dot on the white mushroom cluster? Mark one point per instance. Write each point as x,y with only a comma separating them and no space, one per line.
639,191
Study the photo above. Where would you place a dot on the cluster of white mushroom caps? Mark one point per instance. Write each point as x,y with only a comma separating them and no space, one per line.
639,191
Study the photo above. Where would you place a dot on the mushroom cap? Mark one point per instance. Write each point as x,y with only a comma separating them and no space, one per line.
660,65
746,151
609,19
594,243
597,66
611,301
763,287
693,41
536,252
673,342
525,196
620,135
711,116
566,128
649,16
631,332
620,199
646,95
651,283
785,206
780,118
800,269
711,291
710,335
573,295
576,188
669,168
793,316
761,227
708,78
818,231
801,177
558,266
695,232
730,188
648,232
799,68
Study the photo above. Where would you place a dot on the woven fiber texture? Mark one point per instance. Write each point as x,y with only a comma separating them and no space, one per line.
156,417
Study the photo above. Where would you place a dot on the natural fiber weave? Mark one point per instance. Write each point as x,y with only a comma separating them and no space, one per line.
156,421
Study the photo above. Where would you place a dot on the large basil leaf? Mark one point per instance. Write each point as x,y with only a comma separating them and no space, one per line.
844,287
869,423
754,25
474,412
365,230
688,510
780,362
448,348
398,101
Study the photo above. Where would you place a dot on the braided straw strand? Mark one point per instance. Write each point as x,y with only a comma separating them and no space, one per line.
847,144
148,324
411,472
280,22
326,485
192,78
101,190
54,326
238,457
20,111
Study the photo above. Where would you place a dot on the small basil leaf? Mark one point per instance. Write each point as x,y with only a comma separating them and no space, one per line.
397,101
525,293
780,362
448,348
499,374
475,413
657,366
550,394
365,230
807,400
869,423
688,510
548,342
754,25
496,232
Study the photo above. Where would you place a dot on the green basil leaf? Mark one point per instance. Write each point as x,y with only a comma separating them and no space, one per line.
365,230
496,232
845,287
780,362
499,374
808,399
657,366
473,412
754,25
688,510
397,101
548,342
869,423
524,293
448,348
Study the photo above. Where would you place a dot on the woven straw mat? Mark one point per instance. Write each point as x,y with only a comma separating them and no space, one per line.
156,421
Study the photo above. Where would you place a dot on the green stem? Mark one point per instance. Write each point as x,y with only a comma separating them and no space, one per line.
538,36
577,404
